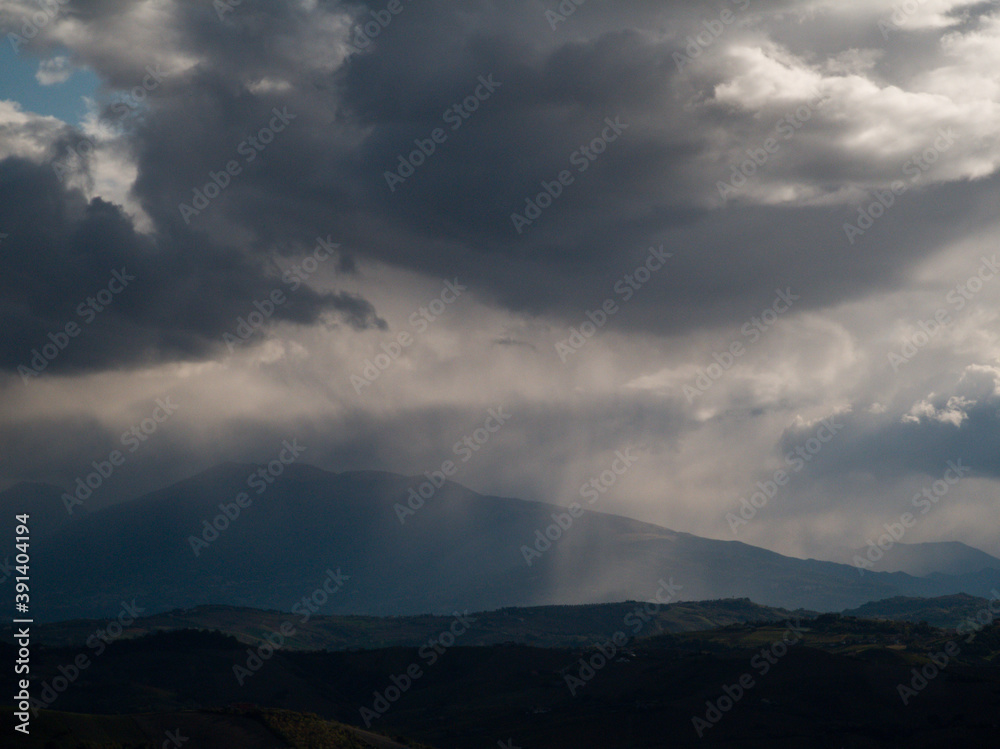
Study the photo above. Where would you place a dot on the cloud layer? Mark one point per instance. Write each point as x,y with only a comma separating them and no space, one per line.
841,154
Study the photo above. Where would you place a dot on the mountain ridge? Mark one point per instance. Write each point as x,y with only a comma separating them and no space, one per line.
217,537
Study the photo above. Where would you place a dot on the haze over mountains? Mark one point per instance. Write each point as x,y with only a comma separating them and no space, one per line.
946,557
277,540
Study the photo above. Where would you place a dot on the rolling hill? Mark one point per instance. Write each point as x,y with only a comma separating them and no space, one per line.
829,682
542,626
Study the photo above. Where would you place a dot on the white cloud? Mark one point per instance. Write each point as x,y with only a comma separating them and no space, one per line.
953,412
54,70
872,112
26,134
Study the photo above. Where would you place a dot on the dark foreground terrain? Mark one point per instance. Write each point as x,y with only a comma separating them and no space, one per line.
829,681
246,727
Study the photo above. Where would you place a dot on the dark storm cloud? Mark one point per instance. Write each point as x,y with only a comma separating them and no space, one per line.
540,95
551,93
127,298
453,215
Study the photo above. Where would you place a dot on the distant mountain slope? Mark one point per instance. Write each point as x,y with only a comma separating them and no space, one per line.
921,560
459,551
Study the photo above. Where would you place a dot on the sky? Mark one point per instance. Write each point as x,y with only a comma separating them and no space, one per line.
750,245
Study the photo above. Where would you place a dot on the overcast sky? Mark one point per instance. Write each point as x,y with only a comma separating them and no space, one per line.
690,230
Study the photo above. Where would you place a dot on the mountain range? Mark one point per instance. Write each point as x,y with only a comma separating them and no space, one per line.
371,543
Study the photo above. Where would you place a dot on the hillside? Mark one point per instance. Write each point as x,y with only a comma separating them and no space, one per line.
830,682
946,611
